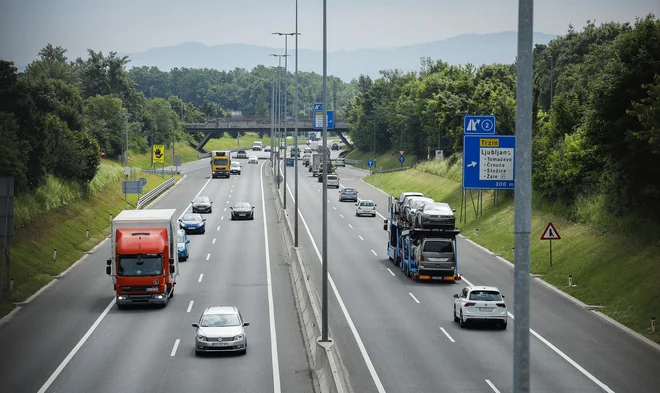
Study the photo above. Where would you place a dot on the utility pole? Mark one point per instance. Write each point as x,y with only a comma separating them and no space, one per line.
324,201
286,79
523,197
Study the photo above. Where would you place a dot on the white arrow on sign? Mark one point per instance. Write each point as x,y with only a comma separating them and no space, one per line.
400,152
473,163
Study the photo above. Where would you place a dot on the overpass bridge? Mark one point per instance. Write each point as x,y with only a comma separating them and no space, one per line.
234,125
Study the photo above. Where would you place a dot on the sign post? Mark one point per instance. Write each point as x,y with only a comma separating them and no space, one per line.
318,116
551,234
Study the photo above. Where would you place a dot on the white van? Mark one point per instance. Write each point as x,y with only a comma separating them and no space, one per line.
257,145
333,180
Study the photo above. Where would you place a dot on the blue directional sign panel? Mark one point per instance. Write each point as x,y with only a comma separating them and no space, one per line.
489,162
477,125
331,120
370,163
401,159
318,116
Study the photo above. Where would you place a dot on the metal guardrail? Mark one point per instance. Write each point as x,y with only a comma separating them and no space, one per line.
351,162
151,195
391,170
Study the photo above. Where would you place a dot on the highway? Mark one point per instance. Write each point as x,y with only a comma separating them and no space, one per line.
397,335
72,338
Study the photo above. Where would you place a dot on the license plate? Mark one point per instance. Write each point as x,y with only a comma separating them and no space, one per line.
220,344
485,309
424,277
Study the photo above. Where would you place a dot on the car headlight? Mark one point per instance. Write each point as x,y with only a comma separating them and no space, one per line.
239,337
201,338
183,225
201,224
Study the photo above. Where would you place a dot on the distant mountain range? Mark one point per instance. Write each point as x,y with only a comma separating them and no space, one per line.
467,48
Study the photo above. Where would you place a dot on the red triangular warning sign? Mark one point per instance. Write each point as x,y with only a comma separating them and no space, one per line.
550,233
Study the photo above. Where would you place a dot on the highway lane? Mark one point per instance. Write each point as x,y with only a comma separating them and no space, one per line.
126,353
374,302
545,361
623,364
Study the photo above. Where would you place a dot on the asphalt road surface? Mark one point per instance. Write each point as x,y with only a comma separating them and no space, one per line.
72,338
398,335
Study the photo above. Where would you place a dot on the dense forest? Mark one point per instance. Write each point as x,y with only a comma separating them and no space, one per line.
57,114
596,112
241,90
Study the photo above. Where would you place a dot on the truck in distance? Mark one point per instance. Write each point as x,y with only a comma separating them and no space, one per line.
144,265
220,163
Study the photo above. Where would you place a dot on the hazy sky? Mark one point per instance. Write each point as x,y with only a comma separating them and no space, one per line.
137,25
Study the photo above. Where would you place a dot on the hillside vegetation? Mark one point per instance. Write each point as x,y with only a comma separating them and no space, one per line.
596,113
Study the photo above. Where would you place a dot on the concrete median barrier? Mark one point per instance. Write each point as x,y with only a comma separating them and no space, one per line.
323,356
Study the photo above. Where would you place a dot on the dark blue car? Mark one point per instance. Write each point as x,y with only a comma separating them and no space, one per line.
193,223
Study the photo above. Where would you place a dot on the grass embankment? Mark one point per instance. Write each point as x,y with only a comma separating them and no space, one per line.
383,161
189,154
56,216
615,263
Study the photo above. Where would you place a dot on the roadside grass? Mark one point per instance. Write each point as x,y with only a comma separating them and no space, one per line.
388,160
189,154
46,225
615,263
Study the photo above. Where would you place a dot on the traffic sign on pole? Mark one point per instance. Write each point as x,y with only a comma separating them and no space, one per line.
489,162
102,153
401,152
401,159
550,233
331,120
473,124
370,163
318,116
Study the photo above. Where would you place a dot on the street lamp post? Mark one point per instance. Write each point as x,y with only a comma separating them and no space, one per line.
286,78
295,139
279,113
324,202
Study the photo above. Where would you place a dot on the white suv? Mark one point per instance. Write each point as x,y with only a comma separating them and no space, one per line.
480,304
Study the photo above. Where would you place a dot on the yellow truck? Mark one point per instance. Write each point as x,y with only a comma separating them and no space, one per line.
220,163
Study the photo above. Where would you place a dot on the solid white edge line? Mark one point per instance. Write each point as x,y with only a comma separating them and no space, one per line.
391,272
492,386
208,256
176,345
448,336
349,320
374,252
200,277
560,353
190,305
75,349
277,388
413,297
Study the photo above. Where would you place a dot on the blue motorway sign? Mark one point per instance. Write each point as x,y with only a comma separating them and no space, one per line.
489,162
401,159
473,124
318,116
370,163
331,120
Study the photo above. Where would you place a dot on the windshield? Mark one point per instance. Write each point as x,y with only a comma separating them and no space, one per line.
219,320
436,206
220,161
438,246
485,296
191,217
139,265
202,200
235,165
242,205
180,238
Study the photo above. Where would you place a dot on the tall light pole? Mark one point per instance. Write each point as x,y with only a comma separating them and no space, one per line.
279,114
272,123
523,197
324,202
286,78
295,139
